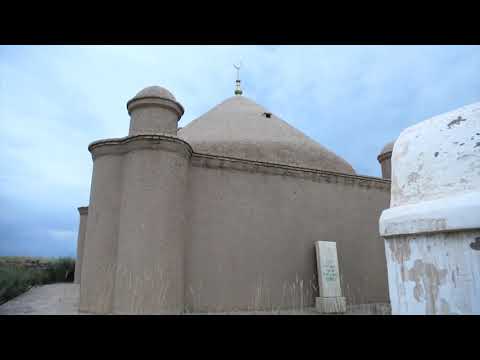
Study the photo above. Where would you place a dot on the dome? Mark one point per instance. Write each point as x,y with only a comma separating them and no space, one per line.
155,91
388,147
240,128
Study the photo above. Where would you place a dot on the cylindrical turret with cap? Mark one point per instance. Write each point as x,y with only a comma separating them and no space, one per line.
135,232
385,159
154,110
152,218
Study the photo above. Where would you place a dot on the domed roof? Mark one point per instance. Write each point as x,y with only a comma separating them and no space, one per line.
240,128
155,91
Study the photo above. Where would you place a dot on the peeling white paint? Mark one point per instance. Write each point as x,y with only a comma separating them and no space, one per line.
440,275
432,229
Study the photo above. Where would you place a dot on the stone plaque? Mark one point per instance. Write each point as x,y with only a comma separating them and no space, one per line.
327,266
330,293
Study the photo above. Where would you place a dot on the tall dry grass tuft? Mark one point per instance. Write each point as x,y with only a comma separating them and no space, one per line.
293,296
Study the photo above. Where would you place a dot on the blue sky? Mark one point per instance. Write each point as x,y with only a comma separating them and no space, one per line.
55,100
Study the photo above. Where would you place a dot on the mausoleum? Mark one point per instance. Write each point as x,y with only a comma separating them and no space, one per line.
223,214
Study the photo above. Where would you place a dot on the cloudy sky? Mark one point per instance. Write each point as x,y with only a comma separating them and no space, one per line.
55,100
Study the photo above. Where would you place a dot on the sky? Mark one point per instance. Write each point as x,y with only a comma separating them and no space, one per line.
55,100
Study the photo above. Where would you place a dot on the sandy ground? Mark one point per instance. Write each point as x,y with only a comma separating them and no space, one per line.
62,299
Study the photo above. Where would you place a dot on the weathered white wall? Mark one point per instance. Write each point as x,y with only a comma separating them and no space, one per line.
434,273
432,230
438,157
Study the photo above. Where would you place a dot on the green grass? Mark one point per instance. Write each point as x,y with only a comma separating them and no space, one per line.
18,274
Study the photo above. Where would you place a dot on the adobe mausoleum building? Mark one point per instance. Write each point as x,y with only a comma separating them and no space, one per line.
223,214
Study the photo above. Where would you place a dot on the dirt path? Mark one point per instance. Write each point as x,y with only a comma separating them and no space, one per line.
53,299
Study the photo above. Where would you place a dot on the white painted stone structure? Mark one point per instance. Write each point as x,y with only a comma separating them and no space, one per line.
330,298
432,228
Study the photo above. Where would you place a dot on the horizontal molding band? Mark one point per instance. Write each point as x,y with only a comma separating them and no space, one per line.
220,162
171,143
140,142
83,210
452,213
155,101
383,156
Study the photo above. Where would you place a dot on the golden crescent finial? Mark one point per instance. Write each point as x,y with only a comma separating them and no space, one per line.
238,90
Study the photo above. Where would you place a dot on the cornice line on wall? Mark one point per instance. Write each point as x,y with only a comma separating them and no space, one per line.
215,161
147,140
164,141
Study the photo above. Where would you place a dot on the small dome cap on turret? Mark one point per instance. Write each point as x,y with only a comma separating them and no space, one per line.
388,147
155,91
156,95
386,152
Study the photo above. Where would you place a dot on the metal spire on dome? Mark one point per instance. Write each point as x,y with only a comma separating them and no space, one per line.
238,90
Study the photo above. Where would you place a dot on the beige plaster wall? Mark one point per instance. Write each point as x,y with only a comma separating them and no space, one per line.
134,248
82,228
169,231
153,120
100,250
252,234
149,277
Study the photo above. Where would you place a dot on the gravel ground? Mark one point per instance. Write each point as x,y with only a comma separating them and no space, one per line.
62,299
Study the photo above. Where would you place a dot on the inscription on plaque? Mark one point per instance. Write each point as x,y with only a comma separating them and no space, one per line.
330,272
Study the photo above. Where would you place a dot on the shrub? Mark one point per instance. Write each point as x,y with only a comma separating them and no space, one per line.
16,278
60,270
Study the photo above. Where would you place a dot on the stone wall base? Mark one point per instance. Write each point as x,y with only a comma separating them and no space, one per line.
370,309
331,304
